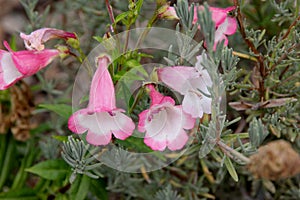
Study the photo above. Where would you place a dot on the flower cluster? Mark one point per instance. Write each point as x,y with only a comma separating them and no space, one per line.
18,65
164,123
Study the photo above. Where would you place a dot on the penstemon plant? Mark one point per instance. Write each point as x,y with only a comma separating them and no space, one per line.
156,112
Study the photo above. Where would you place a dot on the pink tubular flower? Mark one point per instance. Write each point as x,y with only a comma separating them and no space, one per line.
225,25
36,40
218,14
191,82
17,65
101,118
164,123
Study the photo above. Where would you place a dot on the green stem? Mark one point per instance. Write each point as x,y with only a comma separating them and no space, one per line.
233,152
242,55
136,100
7,161
27,161
147,30
127,39
3,145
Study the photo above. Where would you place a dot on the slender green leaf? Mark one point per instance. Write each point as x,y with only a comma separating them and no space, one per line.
50,169
97,187
121,16
19,194
63,110
80,188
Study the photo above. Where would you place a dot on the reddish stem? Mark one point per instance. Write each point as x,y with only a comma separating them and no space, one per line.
111,14
260,58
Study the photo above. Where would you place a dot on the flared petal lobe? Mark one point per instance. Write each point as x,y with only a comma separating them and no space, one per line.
101,119
36,39
101,126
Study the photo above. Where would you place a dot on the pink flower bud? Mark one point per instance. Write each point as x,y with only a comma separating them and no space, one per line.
36,39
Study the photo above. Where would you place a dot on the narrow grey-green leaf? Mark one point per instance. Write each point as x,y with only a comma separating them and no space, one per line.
231,169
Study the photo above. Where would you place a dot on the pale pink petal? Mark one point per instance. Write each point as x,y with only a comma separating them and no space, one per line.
156,122
223,28
165,128
9,74
219,37
228,27
176,136
99,126
199,84
124,126
121,134
178,142
199,64
176,77
142,120
231,26
192,105
206,104
36,40
98,139
102,123
206,79
188,120
102,92
157,142
74,122
157,98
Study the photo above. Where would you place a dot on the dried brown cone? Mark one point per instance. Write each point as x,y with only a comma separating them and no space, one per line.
21,109
4,119
274,161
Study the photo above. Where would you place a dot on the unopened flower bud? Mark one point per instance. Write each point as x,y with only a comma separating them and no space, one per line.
167,12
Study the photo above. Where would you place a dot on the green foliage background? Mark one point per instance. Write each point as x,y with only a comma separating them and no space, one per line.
37,168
